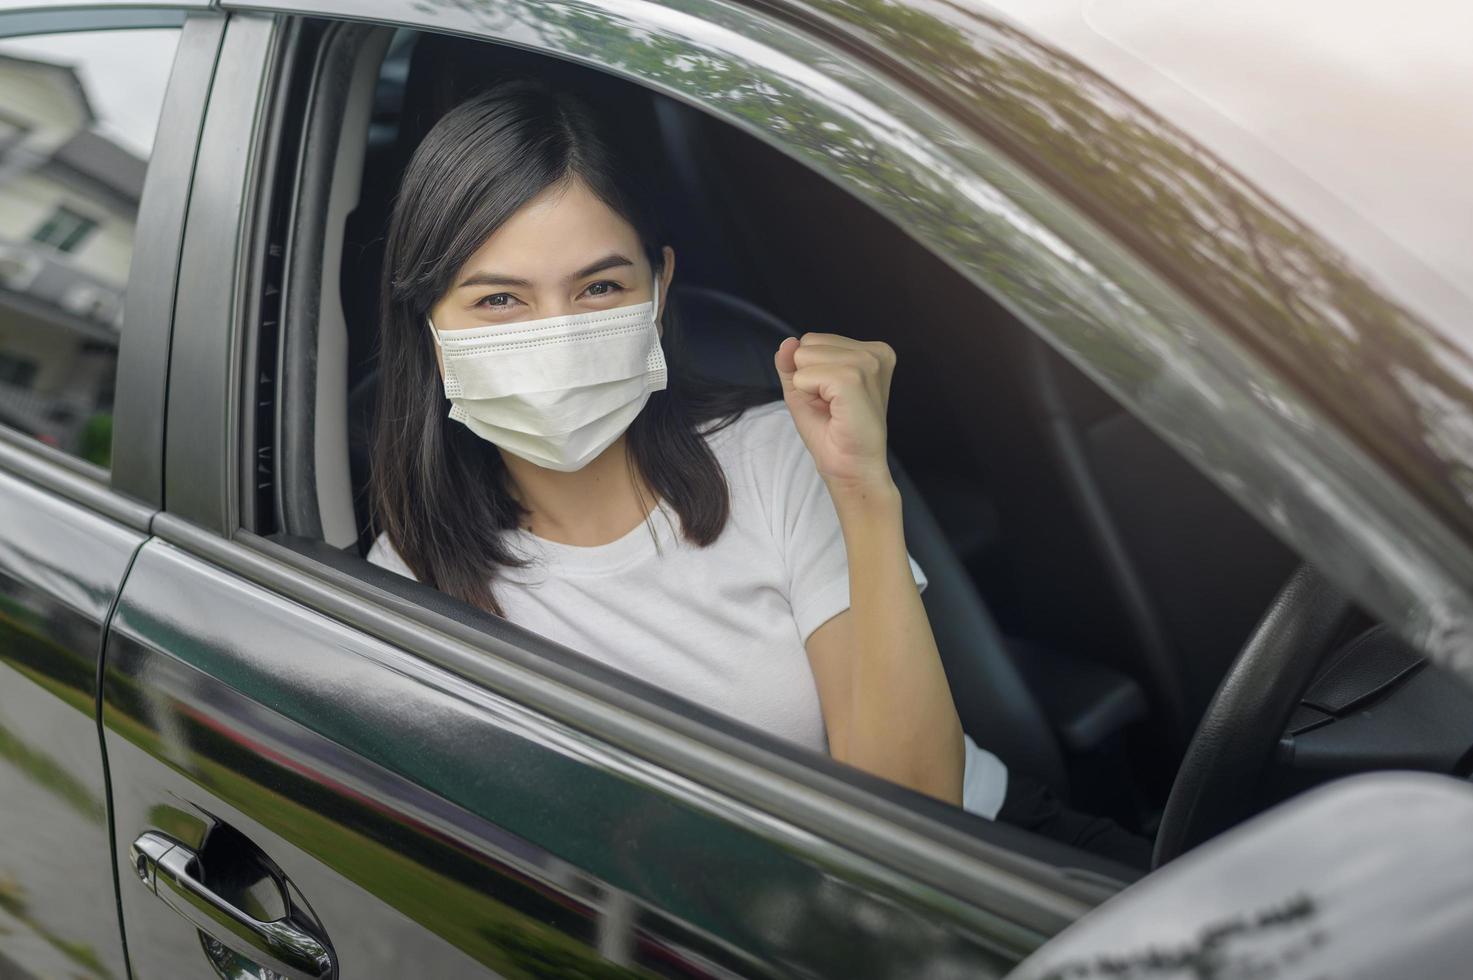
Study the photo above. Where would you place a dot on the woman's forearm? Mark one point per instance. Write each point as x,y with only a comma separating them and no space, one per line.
895,715
903,724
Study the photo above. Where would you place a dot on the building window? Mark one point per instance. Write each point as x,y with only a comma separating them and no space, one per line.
64,230
12,132
16,371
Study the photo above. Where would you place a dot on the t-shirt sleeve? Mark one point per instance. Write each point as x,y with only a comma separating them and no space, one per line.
807,528
984,780
383,554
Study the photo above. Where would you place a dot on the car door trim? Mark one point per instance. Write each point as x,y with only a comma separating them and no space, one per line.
53,470
205,357
19,22
102,7
143,353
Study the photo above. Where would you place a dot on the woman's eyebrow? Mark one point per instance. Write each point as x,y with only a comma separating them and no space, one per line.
607,262
493,279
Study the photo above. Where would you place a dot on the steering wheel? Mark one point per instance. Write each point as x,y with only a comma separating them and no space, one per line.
1241,728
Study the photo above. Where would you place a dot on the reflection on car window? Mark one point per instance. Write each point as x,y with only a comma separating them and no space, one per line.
76,130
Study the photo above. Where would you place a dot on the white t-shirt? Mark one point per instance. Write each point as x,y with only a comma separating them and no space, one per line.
724,625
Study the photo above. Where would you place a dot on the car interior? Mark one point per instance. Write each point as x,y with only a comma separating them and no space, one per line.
1088,586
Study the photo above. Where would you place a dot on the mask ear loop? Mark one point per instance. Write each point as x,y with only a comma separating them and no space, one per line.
448,380
655,289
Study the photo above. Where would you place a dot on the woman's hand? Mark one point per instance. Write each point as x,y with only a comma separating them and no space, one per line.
837,390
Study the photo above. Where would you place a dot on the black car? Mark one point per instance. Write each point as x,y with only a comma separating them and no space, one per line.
1186,445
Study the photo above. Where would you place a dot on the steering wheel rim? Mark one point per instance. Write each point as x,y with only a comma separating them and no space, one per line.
1241,728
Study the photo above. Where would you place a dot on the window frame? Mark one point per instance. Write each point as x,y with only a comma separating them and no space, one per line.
140,377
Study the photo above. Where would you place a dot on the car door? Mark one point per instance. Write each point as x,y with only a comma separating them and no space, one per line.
316,772
91,155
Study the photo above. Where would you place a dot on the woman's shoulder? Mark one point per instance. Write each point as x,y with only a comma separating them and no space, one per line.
760,426
762,447
383,554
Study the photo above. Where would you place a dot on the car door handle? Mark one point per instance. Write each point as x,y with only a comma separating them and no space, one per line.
170,870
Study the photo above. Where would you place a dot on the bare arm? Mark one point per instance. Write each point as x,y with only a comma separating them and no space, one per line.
886,703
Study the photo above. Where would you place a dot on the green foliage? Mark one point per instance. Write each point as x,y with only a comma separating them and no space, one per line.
95,443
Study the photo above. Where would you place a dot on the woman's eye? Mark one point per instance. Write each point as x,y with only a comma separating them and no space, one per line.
596,289
501,301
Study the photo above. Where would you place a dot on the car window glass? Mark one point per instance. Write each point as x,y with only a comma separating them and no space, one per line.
76,130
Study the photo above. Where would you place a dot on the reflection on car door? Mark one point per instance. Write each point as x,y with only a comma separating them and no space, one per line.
60,568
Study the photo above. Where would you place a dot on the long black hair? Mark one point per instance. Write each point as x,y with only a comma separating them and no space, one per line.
439,492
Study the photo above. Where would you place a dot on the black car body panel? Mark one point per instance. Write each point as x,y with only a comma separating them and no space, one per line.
60,569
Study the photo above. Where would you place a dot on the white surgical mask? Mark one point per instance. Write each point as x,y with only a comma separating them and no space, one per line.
556,391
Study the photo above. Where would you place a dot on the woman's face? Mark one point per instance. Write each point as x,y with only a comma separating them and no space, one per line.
564,252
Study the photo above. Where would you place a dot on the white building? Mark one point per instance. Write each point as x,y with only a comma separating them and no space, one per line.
68,206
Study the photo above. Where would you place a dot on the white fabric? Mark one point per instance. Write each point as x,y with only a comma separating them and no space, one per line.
984,780
559,390
724,626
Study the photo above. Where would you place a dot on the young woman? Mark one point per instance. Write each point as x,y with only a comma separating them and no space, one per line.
540,453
